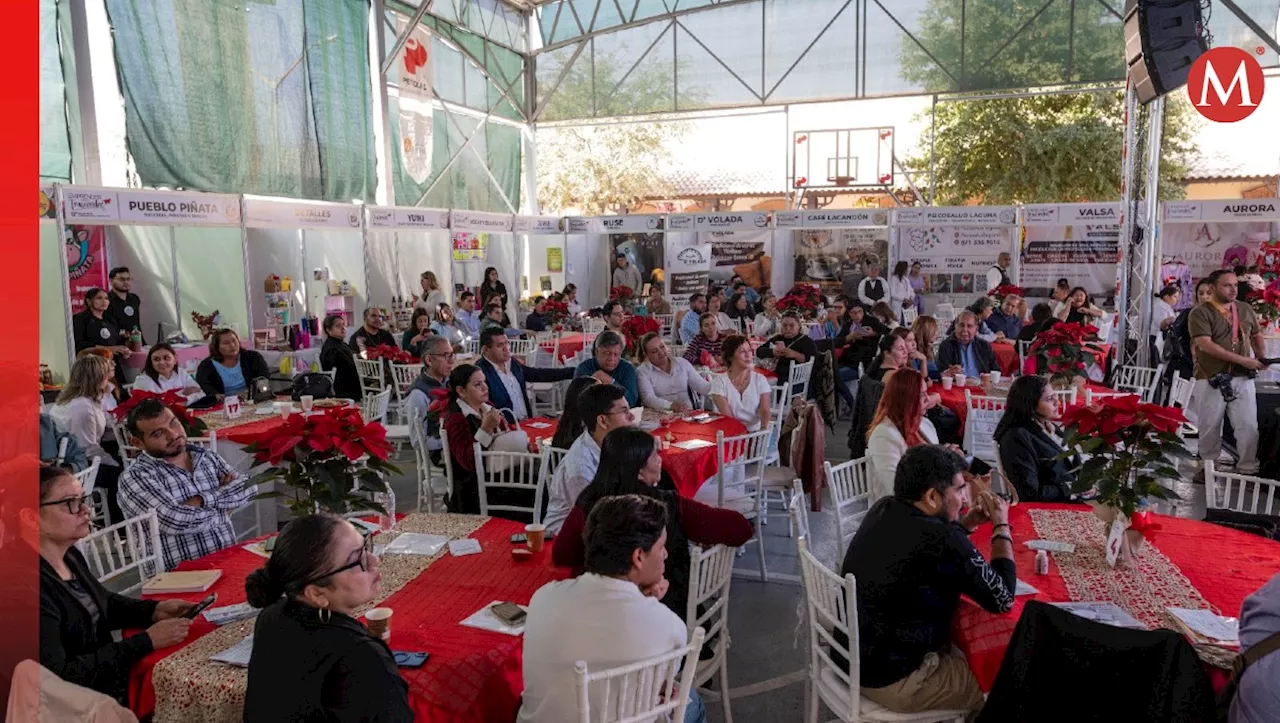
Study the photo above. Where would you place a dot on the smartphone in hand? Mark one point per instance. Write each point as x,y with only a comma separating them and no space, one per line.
200,607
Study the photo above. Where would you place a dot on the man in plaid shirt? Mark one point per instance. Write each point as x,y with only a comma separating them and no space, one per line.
192,490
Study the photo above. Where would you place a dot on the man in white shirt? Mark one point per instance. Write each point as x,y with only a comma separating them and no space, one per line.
602,408
665,380
998,275
627,275
467,316
611,615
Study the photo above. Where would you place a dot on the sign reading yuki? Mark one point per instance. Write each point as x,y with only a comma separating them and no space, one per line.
408,217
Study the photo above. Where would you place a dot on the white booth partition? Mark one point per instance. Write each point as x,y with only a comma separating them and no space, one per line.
1079,242
485,240
833,249
55,263
955,247
181,248
586,251
543,240
303,240
401,243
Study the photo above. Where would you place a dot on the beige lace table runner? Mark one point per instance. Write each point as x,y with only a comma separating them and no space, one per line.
1149,584
191,689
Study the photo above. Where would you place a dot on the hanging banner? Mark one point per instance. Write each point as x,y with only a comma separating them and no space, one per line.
478,221
398,217
415,114
956,216
86,249
744,254
1200,237
470,247
831,219
629,224
583,225
954,245
836,260
643,251
538,225
739,221
265,213
689,267
1079,242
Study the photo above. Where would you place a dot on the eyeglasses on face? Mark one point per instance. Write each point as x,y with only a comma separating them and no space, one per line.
362,561
75,505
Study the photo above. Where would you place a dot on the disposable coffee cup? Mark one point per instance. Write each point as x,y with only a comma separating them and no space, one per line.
537,535
984,378
307,401
284,408
378,620
995,377
947,382
960,380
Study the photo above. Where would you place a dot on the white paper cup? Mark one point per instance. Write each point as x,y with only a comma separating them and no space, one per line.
284,408
960,380
995,377
307,402
378,620
947,382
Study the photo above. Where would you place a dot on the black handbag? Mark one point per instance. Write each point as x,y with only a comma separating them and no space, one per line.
1267,526
260,390
313,384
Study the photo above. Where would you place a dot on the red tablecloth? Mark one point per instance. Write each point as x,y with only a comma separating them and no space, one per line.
1006,357
1238,564
953,398
473,675
688,468
570,344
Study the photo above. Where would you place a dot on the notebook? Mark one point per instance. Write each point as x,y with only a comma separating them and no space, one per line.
185,581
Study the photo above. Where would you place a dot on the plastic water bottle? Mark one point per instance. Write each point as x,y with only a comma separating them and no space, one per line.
1042,562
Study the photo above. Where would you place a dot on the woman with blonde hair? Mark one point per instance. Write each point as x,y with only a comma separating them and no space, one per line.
925,331
432,295
79,411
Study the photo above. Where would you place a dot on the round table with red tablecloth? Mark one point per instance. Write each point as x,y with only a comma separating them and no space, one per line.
569,345
1006,357
473,675
953,398
1182,563
688,468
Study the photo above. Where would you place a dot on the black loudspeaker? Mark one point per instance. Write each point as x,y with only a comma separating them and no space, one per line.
1162,38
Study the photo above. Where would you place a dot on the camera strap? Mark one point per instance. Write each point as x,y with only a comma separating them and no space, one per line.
1235,328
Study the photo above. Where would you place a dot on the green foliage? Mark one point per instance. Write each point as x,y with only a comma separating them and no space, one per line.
1124,474
327,481
1047,149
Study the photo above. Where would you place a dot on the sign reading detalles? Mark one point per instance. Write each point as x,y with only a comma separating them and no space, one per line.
1074,241
954,246
1200,237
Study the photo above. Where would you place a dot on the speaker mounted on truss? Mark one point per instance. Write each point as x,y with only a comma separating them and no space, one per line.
1162,38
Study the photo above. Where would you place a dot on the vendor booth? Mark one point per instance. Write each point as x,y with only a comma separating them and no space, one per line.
543,240
480,241
955,247
1074,241
834,249
402,242
713,248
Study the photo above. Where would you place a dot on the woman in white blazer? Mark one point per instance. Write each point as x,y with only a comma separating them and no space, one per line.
902,407
901,293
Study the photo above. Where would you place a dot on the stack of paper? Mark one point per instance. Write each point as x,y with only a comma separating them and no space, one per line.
1208,625
465,546
414,543
230,613
237,655
484,619
1107,613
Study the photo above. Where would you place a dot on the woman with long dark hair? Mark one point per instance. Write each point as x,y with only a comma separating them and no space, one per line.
740,313
469,419
1079,308
161,374
312,660
491,287
418,332
571,423
901,294
1028,444
629,464
898,425
229,368
893,355
336,356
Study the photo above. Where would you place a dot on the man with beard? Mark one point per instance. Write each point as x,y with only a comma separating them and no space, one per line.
192,490
913,559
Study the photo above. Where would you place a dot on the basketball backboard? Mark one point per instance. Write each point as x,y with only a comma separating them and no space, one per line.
842,158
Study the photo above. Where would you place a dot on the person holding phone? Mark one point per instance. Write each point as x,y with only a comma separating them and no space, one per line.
789,346
1030,449
77,614
312,660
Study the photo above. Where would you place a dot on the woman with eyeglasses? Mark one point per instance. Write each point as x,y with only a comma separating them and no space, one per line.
77,614
81,409
312,660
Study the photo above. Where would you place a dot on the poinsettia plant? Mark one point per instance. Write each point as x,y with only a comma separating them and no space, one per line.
802,298
175,401
1266,302
635,328
620,293
1003,290
320,459
1130,446
390,353
556,314
1063,345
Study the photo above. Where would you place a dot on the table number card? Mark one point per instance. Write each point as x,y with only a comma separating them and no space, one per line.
1115,538
231,407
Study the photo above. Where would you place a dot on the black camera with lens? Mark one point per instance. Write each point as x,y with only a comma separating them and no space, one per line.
1222,382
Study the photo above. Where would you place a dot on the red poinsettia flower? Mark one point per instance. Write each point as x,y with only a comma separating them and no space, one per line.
390,353
620,292
176,403
1004,290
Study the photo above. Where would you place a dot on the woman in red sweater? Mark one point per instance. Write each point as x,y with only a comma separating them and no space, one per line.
630,465
469,419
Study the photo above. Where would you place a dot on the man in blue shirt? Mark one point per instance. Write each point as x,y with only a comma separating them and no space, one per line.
1005,321
964,351
468,317
608,366
689,323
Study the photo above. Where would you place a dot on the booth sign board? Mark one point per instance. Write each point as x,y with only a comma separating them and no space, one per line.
831,219
167,208
718,221
477,221
267,213
538,225
402,217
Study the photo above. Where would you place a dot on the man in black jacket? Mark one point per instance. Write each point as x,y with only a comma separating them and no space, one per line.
964,351
913,559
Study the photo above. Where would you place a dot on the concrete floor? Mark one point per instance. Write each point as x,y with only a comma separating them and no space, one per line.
766,662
